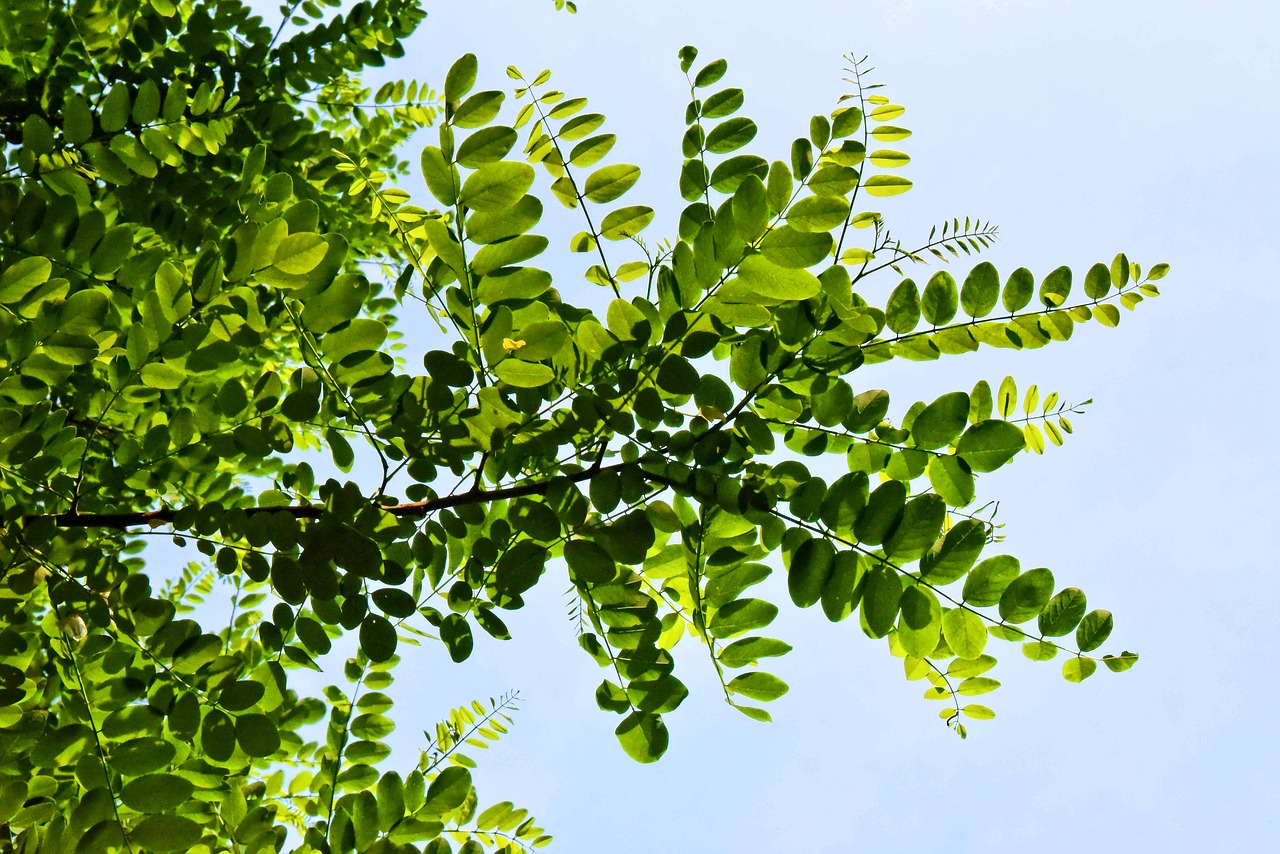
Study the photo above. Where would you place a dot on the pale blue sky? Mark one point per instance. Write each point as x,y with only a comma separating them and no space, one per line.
1083,129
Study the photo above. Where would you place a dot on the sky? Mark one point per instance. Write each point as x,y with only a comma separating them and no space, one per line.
1083,129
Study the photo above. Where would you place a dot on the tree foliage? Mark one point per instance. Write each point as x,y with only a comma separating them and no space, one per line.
197,283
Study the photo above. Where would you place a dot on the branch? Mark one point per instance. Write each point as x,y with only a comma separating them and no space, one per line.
155,518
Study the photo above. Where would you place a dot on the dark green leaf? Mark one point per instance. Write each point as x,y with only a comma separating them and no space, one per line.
810,568
940,299
880,598
942,421
1094,630
730,135
988,445
460,78
741,616
1026,596
981,290
643,736
902,313
1018,290
1063,613
1056,287
156,792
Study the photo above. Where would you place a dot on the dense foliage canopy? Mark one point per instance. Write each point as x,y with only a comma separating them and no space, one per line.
197,283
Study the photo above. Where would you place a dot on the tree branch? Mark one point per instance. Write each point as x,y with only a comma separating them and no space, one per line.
415,509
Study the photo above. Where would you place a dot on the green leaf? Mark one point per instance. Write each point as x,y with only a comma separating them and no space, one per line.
77,120
71,349
880,518
1039,650
988,445
749,651
730,135
507,252
886,185
114,109
1056,287
902,313
726,102
750,209
1120,663
887,158
156,792
1018,290
460,78
811,566
942,421
377,638
1026,596
880,600
493,226
981,290
162,376
22,277
496,186
710,73
1094,630
1063,613
440,175
521,374
951,557
447,792
977,685
479,109
165,833
241,695
920,621
758,685
920,525
890,133
1097,282
789,247
940,299
818,213
625,222
299,254
146,104
726,177
643,736
965,632
741,616
455,631
951,478
760,281
843,590
590,151
1078,669
589,563
989,580
610,182
486,145
257,735
512,283
1108,315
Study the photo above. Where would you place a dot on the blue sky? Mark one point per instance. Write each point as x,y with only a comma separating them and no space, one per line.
1083,129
